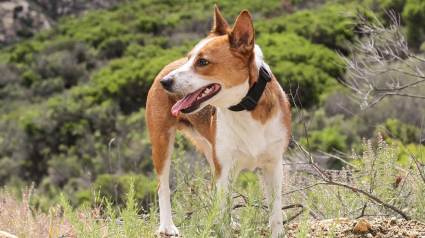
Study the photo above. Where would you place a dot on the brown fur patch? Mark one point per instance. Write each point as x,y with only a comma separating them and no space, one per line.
230,67
220,24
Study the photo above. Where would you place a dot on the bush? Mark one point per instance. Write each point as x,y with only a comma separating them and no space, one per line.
129,79
149,24
112,48
294,60
29,77
326,140
93,29
325,26
108,184
59,45
45,88
393,128
64,167
23,52
414,13
69,70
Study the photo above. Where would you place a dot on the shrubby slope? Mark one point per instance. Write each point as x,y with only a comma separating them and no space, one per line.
66,92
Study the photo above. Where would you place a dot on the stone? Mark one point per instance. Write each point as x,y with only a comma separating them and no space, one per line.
362,225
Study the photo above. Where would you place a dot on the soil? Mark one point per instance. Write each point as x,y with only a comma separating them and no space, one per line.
361,228
380,227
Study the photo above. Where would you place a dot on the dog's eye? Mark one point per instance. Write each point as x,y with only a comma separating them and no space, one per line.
202,62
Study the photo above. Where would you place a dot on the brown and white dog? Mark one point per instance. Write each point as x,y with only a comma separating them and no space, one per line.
218,73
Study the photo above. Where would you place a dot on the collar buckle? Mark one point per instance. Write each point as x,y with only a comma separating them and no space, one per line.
265,75
248,103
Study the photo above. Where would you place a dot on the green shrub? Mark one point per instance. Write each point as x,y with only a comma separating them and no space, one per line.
405,132
94,28
29,77
45,88
107,184
295,61
325,25
59,45
23,52
149,24
414,14
112,48
64,167
28,124
327,139
128,79
69,71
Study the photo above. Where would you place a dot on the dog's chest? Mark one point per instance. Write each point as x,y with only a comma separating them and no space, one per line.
241,138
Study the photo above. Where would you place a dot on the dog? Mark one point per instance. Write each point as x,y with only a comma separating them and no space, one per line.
225,98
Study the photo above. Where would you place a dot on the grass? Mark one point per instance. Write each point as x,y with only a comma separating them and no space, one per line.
198,210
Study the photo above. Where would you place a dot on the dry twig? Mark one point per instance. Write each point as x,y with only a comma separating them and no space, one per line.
328,180
374,55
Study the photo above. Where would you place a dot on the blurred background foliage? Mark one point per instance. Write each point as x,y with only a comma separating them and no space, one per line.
67,91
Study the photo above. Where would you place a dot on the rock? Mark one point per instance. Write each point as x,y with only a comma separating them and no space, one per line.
20,19
362,225
4,234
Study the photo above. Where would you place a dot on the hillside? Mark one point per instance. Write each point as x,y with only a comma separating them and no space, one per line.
73,91
22,19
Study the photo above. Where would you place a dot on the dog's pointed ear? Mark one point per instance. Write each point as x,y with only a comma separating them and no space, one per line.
220,24
242,34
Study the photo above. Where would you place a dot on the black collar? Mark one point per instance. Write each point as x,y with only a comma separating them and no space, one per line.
249,102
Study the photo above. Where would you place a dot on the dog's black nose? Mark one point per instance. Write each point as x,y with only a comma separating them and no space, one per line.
166,83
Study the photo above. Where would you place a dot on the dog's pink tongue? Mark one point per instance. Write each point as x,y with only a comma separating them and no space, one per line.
185,102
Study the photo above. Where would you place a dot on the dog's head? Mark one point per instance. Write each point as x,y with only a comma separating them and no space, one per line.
220,69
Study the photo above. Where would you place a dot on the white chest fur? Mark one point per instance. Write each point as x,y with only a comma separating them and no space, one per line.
249,143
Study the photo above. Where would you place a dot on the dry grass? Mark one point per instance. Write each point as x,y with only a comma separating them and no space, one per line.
197,208
20,218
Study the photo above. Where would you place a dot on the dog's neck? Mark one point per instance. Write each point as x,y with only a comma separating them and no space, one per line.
266,104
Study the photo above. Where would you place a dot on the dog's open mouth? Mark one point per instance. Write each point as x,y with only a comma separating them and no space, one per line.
192,101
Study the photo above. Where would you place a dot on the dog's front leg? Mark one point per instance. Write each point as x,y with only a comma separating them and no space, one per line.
272,176
162,148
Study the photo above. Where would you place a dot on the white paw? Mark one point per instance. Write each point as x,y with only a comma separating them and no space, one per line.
168,230
235,225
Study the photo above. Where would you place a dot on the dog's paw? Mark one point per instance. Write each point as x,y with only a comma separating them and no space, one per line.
168,230
235,225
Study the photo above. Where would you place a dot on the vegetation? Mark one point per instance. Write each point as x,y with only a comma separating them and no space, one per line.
72,115
197,207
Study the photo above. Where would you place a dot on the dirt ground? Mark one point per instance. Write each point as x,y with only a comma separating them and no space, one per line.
380,227
362,228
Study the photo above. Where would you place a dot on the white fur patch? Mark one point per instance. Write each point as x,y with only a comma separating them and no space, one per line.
229,97
259,59
248,141
186,80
